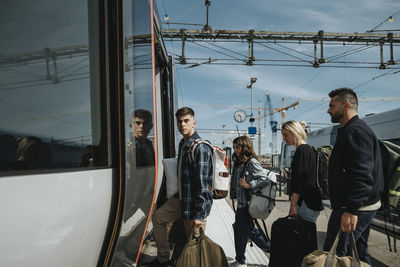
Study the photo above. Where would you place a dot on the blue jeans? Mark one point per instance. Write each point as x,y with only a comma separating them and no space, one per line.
306,213
361,234
244,228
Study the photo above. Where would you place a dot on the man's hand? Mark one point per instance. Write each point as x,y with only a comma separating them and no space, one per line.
196,223
348,222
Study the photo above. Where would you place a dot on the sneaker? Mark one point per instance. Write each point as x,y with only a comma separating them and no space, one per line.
238,264
156,263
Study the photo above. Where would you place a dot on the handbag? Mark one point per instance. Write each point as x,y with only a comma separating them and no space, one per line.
262,201
201,251
319,258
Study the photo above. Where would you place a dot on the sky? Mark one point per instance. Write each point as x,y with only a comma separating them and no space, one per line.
225,85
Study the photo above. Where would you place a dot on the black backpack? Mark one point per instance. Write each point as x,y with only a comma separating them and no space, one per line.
390,153
322,154
391,172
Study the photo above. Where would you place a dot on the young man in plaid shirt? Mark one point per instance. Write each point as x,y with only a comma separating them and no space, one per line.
194,199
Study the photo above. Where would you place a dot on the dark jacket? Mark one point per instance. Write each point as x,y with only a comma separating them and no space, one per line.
255,175
355,167
196,179
304,175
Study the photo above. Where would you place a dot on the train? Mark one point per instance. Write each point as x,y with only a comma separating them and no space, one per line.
385,125
74,76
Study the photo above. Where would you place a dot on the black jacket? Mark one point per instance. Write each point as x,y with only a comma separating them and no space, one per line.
355,167
304,175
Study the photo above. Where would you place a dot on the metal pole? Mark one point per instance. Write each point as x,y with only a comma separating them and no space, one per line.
251,115
259,128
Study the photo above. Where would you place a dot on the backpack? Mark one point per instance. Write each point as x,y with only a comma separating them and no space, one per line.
221,176
262,201
322,154
390,154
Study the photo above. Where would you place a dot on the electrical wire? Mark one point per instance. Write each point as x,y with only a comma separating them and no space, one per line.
349,52
217,51
383,22
277,50
228,50
294,50
376,77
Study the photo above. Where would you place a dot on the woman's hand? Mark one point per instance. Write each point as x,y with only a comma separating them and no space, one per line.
293,211
244,184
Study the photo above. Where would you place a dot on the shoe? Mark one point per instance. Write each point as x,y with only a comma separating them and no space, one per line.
156,263
238,264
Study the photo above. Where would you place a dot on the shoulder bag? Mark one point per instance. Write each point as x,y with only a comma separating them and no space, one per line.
319,258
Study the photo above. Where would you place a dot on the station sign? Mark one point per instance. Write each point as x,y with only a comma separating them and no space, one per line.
252,130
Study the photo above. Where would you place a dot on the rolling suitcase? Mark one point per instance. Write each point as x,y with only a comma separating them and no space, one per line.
291,240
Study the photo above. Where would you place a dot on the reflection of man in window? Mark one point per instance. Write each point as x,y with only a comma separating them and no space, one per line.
142,123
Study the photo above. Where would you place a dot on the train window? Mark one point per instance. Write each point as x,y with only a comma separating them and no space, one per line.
140,138
50,85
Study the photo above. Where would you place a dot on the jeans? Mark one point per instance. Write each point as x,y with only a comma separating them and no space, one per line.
243,229
306,213
361,234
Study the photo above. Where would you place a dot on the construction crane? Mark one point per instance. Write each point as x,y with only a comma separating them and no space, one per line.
273,123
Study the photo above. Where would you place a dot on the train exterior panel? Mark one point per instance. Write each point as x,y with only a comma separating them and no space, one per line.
54,219
87,114
385,125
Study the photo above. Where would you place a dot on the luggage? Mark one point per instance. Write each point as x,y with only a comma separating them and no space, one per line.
221,177
292,238
319,258
262,201
322,154
390,198
202,252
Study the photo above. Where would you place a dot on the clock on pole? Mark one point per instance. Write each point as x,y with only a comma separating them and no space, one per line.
240,115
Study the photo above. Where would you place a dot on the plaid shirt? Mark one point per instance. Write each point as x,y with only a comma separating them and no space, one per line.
195,178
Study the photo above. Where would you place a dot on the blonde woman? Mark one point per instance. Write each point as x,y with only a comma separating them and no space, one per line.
305,201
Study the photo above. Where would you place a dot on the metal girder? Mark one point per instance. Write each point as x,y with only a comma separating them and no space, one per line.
45,54
316,38
284,36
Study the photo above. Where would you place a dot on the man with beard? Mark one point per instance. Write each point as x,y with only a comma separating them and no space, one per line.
355,176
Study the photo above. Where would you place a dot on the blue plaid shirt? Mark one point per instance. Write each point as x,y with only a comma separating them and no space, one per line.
196,179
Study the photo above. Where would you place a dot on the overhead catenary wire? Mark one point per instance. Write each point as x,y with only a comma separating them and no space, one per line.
277,50
384,21
350,52
294,50
217,51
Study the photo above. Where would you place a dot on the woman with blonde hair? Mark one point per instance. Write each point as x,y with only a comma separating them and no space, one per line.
305,201
247,176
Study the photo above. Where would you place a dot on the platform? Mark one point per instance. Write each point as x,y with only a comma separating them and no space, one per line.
219,229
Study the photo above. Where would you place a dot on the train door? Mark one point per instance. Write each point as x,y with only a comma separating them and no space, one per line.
148,136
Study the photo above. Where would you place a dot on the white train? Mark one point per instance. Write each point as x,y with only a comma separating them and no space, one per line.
386,126
73,190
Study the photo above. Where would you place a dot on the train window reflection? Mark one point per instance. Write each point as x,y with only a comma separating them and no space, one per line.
49,85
